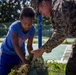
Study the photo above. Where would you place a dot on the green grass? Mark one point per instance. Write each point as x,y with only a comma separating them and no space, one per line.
44,39
56,68
68,41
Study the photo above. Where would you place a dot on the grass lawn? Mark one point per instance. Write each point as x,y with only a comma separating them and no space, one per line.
44,39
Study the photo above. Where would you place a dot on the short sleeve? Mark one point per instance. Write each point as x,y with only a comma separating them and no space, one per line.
14,28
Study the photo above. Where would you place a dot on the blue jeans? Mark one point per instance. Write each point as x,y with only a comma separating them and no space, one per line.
7,62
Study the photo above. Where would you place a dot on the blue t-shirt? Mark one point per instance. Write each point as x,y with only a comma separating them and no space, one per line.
7,45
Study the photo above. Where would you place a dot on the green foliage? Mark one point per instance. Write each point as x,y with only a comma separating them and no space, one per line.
55,68
19,70
9,10
38,68
34,67
4,29
46,21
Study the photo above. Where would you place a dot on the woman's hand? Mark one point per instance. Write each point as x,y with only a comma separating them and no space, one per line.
24,62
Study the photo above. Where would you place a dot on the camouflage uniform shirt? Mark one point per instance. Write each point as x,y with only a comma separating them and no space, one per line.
63,19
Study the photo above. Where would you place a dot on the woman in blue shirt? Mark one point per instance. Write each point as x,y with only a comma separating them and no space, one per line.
13,47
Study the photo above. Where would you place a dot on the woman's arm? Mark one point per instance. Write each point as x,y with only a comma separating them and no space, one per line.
17,48
29,44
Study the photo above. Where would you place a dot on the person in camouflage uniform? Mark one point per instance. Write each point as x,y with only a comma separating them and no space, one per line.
63,17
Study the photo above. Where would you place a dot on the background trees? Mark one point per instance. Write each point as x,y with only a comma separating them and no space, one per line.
10,11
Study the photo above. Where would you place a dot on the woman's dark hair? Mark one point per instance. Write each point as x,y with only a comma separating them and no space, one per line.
27,12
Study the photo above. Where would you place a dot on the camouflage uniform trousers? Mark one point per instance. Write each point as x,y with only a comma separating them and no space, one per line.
71,65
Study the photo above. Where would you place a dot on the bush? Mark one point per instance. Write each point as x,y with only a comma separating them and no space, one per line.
55,68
